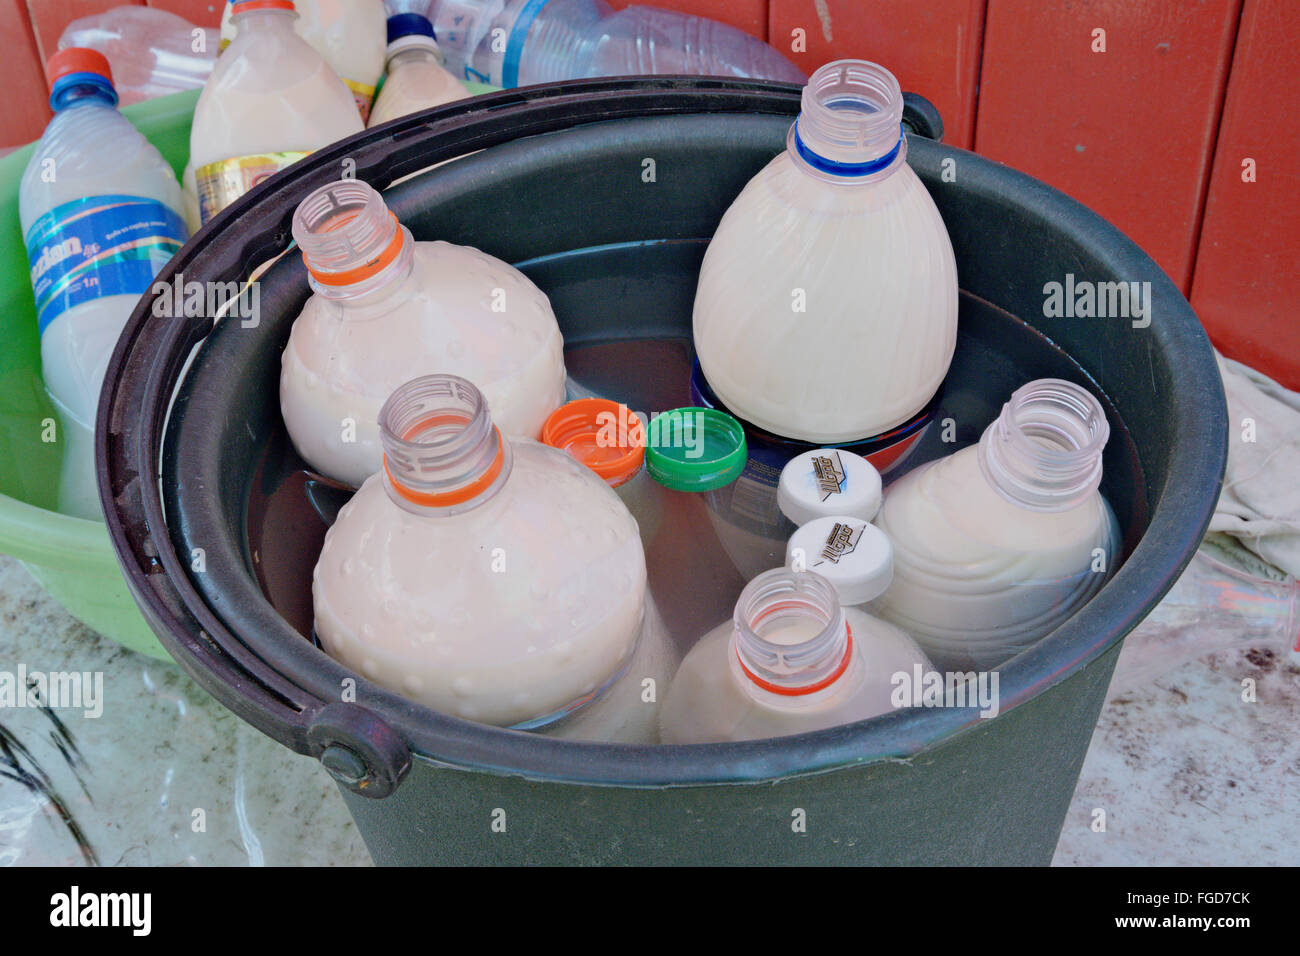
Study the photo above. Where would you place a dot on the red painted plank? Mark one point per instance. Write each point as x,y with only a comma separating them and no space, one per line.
932,47
49,17
748,15
1128,131
204,13
22,73
1247,282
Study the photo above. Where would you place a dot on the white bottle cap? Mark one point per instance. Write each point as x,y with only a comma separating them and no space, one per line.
828,481
853,554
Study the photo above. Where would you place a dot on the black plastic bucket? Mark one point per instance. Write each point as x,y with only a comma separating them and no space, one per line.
558,188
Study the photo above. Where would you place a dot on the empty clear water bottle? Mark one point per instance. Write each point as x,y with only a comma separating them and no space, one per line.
521,42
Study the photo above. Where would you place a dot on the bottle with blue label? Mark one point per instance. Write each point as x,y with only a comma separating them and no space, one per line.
101,214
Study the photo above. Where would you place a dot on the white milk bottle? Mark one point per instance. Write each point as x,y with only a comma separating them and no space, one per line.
826,309
792,660
349,34
416,78
998,543
387,309
270,101
495,580
609,439
101,214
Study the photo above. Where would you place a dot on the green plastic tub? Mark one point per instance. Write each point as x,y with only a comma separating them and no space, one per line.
70,557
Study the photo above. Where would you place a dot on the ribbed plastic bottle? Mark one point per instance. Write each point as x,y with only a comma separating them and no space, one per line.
792,660
521,42
826,309
101,214
270,101
998,543
387,309
416,78
349,34
495,580
152,52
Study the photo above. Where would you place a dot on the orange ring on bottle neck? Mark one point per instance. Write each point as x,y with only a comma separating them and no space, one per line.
361,272
445,499
811,688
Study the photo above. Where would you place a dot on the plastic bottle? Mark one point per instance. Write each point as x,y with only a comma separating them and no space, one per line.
416,79
998,543
100,211
152,52
387,309
349,34
491,579
521,42
826,309
792,660
270,101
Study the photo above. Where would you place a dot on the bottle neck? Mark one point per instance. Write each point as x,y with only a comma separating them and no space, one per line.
442,454
849,128
355,250
261,21
412,55
790,638
1044,451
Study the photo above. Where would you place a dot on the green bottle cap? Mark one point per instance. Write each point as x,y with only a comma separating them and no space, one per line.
695,449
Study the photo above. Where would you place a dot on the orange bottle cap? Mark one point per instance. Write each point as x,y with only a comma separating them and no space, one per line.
77,59
600,433
243,6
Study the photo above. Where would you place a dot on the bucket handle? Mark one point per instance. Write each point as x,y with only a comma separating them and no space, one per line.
921,117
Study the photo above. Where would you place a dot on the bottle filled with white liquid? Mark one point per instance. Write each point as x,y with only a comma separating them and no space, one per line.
349,34
495,580
271,100
387,309
101,213
998,543
416,78
792,660
826,309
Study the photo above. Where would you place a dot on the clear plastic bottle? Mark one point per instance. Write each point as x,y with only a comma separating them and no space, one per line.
152,52
495,580
998,543
387,309
349,34
521,42
792,660
416,78
101,214
270,101
826,309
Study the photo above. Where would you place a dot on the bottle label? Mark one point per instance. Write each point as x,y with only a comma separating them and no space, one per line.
364,96
221,183
99,246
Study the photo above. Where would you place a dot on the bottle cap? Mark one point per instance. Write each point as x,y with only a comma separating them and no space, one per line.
78,67
602,434
828,481
695,449
853,554
244,6
409,25
77,59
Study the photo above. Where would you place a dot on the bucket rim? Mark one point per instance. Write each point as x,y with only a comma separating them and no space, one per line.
299,709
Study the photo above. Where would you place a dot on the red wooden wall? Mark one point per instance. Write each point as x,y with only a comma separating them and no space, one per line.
1151,133
1247,283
